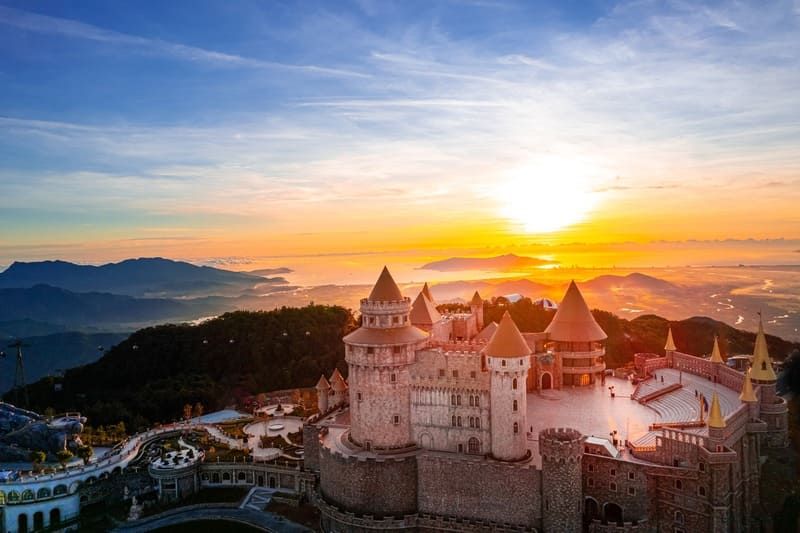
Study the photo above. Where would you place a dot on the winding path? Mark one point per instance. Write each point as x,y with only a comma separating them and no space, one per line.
260,520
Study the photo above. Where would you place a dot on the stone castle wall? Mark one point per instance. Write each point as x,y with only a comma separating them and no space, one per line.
479,489
384,486
561,450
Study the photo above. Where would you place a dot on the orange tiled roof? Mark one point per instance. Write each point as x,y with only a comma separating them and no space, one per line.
385,289
573,321
507,341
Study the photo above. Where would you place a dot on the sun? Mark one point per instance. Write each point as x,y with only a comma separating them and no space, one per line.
548,194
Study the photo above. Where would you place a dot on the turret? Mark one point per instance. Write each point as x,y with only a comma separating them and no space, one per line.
379,356
476,307
323,389
427,292
772,408
562,453
577,340
508,360
338,389
423,313
670,345
748,396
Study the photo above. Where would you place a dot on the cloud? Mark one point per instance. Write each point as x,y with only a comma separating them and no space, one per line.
34,22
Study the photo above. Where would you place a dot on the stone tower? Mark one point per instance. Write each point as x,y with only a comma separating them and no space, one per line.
508,361
379,355
476,306
323,388
773,409
562,451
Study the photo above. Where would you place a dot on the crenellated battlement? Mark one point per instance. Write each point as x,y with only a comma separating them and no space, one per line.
561,444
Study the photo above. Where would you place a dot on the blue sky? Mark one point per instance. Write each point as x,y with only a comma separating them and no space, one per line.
215,122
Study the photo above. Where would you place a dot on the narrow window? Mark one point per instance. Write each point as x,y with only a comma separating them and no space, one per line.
358,396
477,401
631,475
516,428
503,362
514,384
397,349
459,421
590,468
472,374
471,400
458,400
393,378
441,372
678,484
471,422
631,491
701,491
370,350
702,467
452,399
478,423
455,373
612,487
395,319
516,406
396,419
613,471
453,421
590,482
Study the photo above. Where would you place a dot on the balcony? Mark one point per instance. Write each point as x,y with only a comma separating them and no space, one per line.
582,355
594,369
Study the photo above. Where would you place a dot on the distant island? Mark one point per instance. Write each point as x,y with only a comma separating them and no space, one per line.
501,263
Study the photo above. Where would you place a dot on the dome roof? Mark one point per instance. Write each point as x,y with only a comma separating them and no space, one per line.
385,289
573,321
423,312
507,341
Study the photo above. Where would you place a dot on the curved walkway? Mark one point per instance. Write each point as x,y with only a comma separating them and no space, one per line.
229,512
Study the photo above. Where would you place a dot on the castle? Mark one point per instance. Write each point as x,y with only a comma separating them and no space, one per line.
448,424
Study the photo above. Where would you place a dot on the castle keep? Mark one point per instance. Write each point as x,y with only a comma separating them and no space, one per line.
449,424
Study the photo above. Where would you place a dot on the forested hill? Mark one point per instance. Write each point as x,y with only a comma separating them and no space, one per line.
152,374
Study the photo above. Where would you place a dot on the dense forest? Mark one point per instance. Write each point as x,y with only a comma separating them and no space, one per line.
150,376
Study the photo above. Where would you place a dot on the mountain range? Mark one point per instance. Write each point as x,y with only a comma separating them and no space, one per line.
500,263
144,277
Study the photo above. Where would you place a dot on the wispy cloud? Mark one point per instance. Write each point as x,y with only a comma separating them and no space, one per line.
79,30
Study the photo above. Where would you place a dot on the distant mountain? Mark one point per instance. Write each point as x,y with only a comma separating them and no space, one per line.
635,280
146,277
46,304
501,263
271,271
52,354
26,327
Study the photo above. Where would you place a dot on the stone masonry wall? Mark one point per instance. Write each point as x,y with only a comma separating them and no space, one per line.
379,487
479,490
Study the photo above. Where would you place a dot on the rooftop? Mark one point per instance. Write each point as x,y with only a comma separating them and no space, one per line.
573,321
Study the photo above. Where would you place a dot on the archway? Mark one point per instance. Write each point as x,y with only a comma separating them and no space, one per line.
591,509
547,381
585,379
260,481
38,520
426,441
55,516
272,482
612,513
473,446
215,477
22,523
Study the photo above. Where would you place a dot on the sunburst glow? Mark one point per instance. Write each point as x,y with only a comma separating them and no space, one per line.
549,194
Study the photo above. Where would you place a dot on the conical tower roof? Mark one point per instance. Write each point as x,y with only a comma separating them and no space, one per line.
507,341
423,312
670,345
573,321
476,299
716,356
337,381
427,292
715,418
747,394
762,365
486,333
385,289
323,384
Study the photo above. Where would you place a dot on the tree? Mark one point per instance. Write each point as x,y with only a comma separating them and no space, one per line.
197,412
63,457
187,411
37,458
85,452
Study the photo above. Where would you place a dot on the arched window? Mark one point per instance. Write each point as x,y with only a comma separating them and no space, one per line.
477,401
503,362
678,484
473,446
28,496
471,400
477,422
458,400
452,399
13,497
44,492
2,498
471,422
516,406
453,422
701,491
459,421
240,476
226,476
514,384
678,517
516,428
60,489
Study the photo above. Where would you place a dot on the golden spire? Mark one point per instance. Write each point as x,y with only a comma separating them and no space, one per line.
716,357
762,366
670,346
715,418
747,394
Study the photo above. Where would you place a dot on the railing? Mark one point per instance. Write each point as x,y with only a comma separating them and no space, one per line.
583,369
581,355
